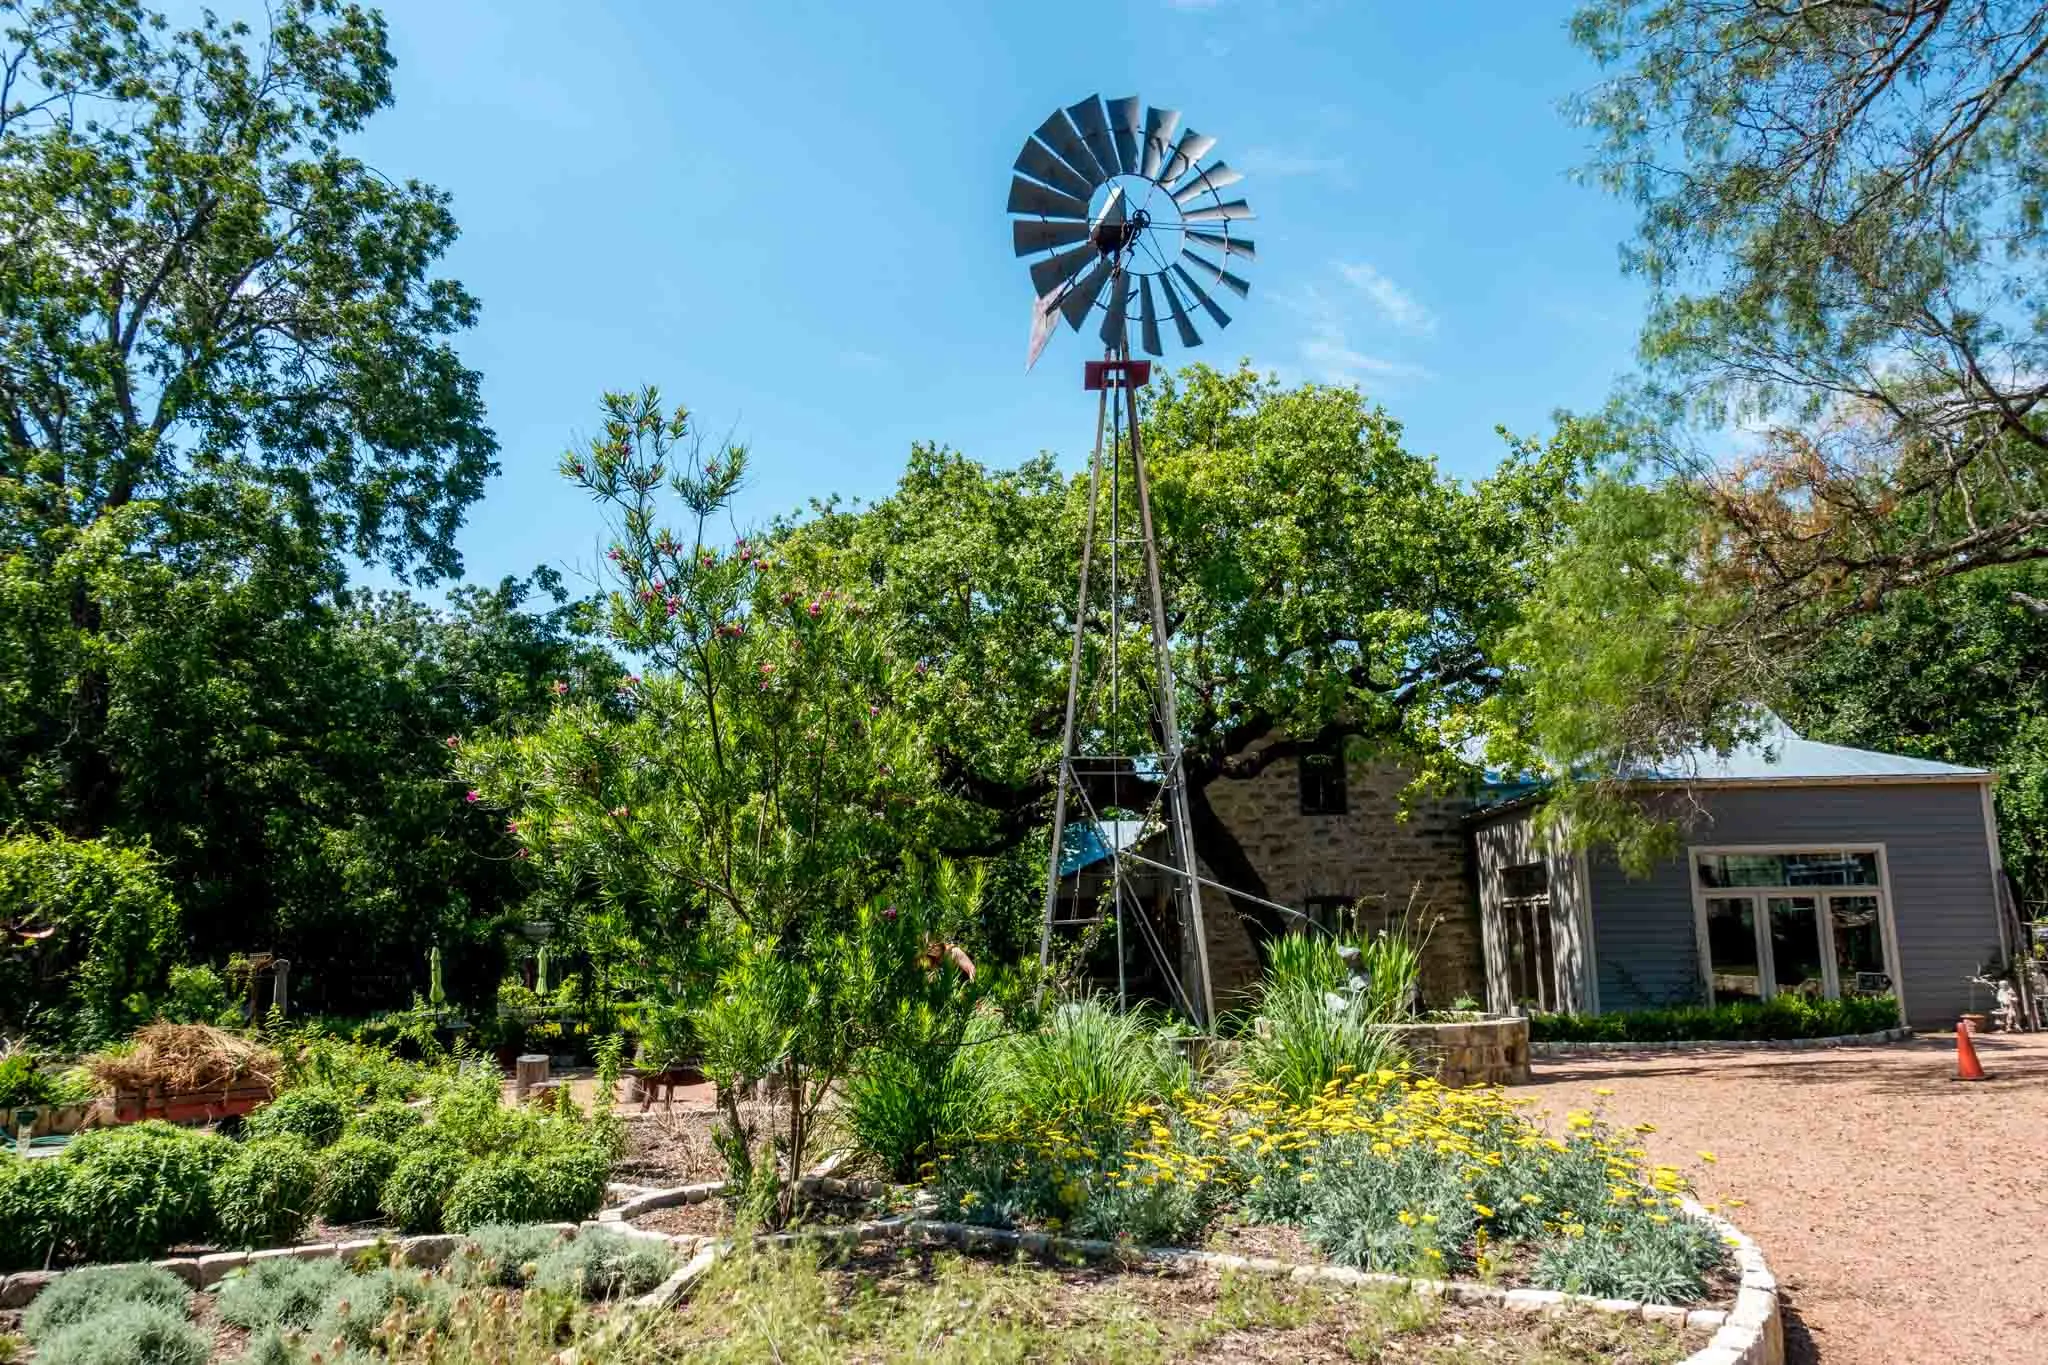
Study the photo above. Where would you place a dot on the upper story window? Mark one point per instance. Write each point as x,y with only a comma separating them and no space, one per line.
1322,781
1525,881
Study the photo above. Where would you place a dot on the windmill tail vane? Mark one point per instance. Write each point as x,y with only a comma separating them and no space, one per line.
1123,216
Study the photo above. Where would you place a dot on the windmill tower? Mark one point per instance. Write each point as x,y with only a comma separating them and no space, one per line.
1117,207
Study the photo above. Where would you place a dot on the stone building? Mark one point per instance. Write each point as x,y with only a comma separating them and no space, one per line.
1334,839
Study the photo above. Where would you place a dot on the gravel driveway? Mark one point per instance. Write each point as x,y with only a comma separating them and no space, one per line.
1905,1214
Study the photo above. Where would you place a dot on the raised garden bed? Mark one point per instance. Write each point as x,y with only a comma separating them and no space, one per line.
1490,1050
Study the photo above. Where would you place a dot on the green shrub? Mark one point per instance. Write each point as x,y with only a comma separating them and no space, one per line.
604,1265
133,1192
359,1309
418,1188
272,1346
911,1098
500,1190
279,1293
195,995
387,1121
1779,1018
32,1199
127,1334
112,919
503,1255
1301,1043
471,1114
263,1195
1310,957
316,1114
571,1183
352,1176
81,1294
1086,1068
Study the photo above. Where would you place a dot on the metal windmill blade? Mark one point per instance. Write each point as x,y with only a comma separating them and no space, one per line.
1118,211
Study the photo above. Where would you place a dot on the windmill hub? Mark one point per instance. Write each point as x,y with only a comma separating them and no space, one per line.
1117,239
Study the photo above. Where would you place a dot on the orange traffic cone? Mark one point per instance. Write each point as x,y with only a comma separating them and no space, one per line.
1967,1066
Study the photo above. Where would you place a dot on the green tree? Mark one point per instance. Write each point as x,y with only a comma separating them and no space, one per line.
1842,225
220,336
736,832
89,929
1326,585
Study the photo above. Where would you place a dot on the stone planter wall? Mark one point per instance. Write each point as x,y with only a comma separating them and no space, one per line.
1492,1051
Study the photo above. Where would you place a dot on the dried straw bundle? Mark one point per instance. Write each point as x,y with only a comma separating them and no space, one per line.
183,1058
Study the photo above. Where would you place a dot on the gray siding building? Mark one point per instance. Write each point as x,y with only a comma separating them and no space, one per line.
1807,867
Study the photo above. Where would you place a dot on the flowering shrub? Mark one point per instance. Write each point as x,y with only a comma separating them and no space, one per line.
1382,1170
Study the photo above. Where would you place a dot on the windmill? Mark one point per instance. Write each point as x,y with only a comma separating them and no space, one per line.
1128,225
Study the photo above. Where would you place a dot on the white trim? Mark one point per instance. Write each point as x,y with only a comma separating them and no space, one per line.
1823,921
2005,948
1584,868
1857,780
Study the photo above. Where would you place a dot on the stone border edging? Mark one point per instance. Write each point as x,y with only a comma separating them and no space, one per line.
1752,1332
1554,1049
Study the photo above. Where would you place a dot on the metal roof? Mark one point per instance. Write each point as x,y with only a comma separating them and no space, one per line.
1781,754
1089,843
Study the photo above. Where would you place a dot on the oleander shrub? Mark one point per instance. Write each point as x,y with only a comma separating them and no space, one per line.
604,1265
419,1187
913,1096
285,1292
131,1193
352,1176
501,1255
32,1197
263,1195
1780,1018
387,1121
87,1293
499,1190
128,1334
316,1114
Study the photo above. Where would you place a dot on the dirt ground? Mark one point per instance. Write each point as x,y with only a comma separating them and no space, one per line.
1905,1214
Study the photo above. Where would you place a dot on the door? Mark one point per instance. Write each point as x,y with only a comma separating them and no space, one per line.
1798,967
1856,923
1734,962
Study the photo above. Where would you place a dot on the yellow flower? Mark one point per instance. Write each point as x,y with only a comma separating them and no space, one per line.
1408,1219
1482,1210
1308,1177
1532,1199
1602,1091
1709,1158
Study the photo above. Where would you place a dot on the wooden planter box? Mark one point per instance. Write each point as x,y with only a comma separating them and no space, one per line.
207,1106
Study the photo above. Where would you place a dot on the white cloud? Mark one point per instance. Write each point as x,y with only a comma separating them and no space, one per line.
1394,303
1329,356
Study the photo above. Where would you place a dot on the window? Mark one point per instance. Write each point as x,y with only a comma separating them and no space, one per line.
1330,914
1322,782
1525,881
1770,923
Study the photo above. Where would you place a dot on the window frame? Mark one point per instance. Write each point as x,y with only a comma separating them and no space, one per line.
1312,760
1761,896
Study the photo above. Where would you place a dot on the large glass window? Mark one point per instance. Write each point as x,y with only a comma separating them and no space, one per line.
1774,925
1826,867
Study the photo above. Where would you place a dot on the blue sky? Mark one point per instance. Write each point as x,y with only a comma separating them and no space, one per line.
790,216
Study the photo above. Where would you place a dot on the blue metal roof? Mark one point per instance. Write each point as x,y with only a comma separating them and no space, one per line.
1781,754
1086,844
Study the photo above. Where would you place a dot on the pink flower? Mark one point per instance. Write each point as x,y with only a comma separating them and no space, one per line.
511,826
473,796
874,711
520,854
920,668
889,913
814,608
560,687
619,812
767,668
452,742
709,560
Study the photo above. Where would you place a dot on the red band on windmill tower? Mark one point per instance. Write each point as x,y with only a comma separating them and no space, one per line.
1115,374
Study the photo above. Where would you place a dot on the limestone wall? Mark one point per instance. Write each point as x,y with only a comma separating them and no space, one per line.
1413,871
